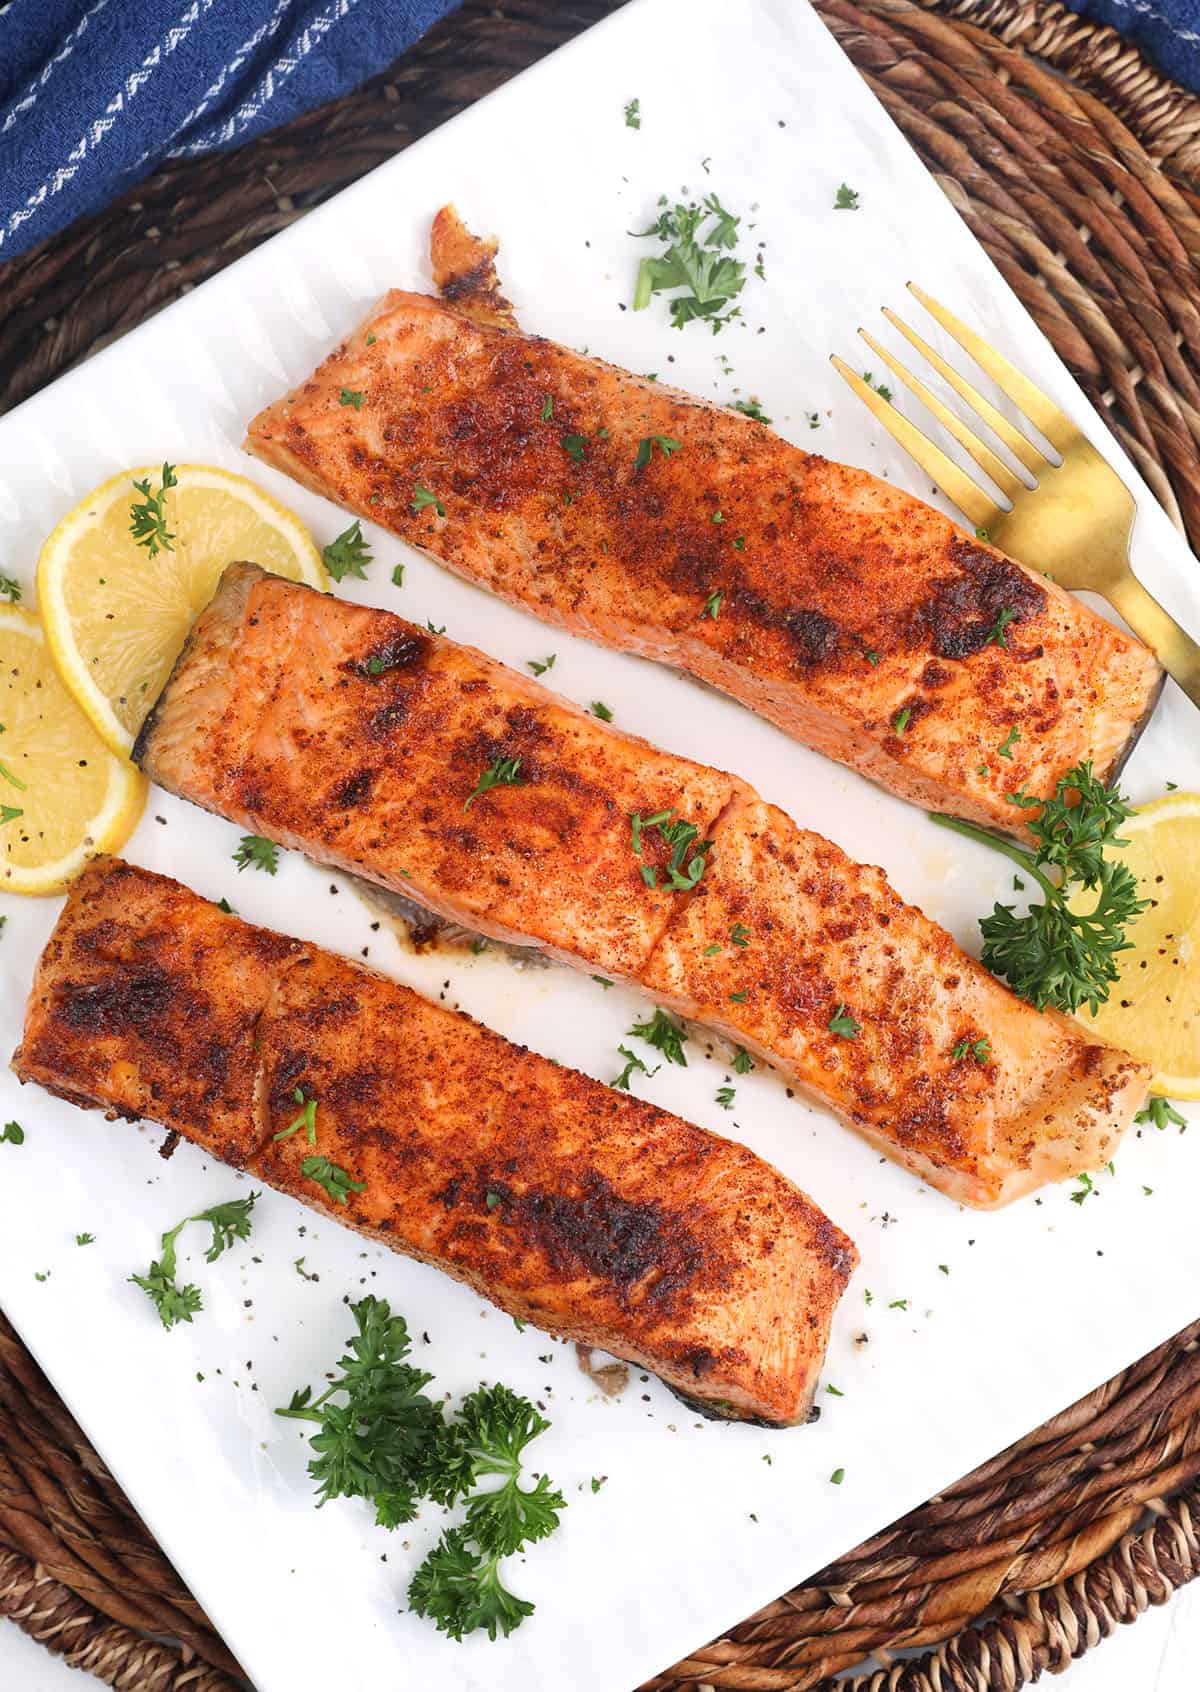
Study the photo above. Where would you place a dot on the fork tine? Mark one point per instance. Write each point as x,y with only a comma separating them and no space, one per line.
1021,448
976,507
983,455
1054,424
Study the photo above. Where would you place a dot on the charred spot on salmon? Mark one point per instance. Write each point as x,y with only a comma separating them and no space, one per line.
401,653
960,617
635,1246
140,1001
814,637
354,790
384,722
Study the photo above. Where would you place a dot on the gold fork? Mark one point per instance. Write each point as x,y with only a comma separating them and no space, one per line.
1073,523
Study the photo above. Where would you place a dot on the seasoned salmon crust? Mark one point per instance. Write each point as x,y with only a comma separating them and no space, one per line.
583,1210
379,747
852,615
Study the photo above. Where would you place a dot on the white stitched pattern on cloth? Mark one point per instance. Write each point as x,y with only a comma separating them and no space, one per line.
48,69
262,96
264,32
96,132
1147,9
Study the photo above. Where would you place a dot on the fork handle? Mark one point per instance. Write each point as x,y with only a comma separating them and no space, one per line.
1176,651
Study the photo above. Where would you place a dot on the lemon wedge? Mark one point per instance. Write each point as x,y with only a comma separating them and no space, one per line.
1153,1011
63,795
116,612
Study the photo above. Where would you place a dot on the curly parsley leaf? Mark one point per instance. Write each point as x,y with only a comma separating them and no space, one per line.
229,1222
347,555
665,1035
255,850
502,772
697,241
148,516
337,1182
1054,955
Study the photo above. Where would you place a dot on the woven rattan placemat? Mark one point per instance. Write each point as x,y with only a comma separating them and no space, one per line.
1078,168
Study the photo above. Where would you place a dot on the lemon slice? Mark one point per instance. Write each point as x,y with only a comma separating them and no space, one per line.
63,794
116,615
1153,1011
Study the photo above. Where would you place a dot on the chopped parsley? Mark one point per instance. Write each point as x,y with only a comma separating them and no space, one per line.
10,589
632,1062
422,497
633,115
540,666
547,411
725,1097
739,934
148,517
254,850
681,871
1086,1189
351,396
712,606
501,772
838,1476
229,1222
843,1024
751,408
349,554
1005,748
979,1049
647,445
599,709
1159,1112
739,998
901,720
573,446
336,1182
398,575
846,198
10,813
881,388
307,1119
85,1239
698,240
999,634
743,1063
665,1035
13,1134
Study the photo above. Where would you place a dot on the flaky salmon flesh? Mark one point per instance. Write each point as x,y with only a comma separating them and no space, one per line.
384,749
577,1208
852,615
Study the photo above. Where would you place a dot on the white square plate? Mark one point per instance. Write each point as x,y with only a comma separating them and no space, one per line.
694,1526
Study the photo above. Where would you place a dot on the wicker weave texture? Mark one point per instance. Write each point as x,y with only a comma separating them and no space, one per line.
1078,168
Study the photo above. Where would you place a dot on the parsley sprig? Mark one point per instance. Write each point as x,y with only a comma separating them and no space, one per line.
148,517
682,871
229,1222
257,851
698,239
382,1438
349,554
501,772
665,1035
1054,955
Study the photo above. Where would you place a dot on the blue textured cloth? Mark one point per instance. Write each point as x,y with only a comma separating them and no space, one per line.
95,93
1167,31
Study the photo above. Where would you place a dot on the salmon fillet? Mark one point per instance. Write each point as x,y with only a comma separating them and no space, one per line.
852,615
585,1211
361,739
